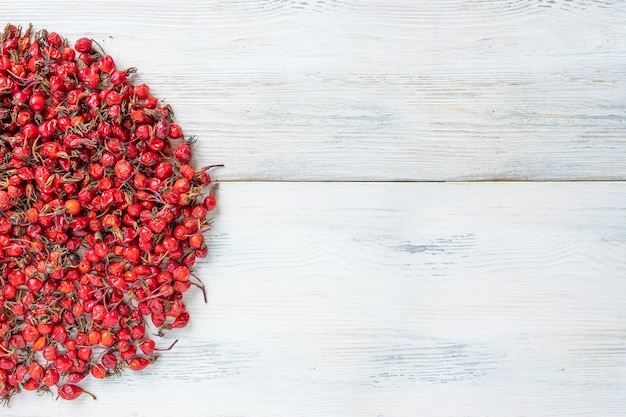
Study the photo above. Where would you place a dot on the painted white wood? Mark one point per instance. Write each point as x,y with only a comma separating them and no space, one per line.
376,90
484,299
386,299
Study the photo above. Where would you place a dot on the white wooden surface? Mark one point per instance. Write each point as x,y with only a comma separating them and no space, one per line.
355,295
377,89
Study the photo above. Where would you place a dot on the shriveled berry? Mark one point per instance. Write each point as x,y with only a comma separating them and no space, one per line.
83,45
102,216
123,169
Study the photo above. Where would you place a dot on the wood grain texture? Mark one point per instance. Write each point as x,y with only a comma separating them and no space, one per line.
484,299
348,298
377,90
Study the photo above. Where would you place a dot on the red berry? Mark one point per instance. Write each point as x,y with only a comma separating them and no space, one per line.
137,364
196,241
101,216
51,377
71,392
175,131
54,39
180,321
37,102
210,202
142,91
106,64
199,211
109,360
163,170
183,153
123,169
118,78
83,45
72,206
98,371
181,273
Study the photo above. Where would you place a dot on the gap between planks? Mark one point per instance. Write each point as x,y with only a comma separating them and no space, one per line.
356,181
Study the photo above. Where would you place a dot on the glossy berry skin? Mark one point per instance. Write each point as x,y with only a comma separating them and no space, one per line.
137,364
210,202
183,153
72,206
98,371
37,102
71,392
51,377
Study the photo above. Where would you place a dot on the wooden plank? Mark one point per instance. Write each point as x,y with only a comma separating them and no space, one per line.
377,90
484,299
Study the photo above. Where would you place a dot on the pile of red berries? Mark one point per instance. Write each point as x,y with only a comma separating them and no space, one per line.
101,216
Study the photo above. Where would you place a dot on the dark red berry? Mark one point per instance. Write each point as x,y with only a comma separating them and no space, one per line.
83,45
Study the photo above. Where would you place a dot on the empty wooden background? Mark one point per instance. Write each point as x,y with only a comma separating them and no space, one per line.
422,211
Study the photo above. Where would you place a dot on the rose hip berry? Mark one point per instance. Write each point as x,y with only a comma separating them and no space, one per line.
71,392
101,216
83,45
